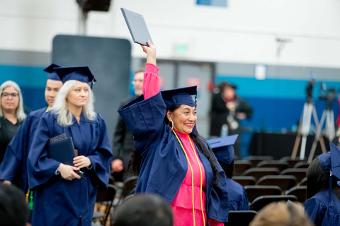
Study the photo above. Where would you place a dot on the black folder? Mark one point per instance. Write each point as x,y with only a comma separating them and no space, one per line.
61,149
137,27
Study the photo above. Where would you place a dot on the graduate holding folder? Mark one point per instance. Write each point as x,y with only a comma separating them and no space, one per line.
176,162
63,196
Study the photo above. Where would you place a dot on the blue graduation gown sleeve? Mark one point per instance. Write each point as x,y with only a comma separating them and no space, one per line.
40,167
13,166
102,156
144,118
237,198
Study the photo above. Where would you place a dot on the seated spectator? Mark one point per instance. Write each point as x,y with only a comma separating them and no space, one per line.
143,210
224,152
281,214
323,189
13,208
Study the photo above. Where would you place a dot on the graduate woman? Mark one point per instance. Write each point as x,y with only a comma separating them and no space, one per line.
323,188
65,194
176,162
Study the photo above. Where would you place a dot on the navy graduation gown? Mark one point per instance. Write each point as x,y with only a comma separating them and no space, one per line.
58,201
13,166
237,197
164,165
324,209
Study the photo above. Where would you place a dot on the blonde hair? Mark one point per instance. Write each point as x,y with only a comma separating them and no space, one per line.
282,214
64,116
20,114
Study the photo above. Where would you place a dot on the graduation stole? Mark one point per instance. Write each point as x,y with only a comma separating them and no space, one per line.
29,199
192,177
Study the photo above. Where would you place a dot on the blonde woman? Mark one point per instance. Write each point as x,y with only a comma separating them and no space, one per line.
11,113
65,193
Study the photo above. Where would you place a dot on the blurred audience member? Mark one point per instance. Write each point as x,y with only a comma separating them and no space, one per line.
227,109
13,208
323,189
11,113
123,145
282,214
143,210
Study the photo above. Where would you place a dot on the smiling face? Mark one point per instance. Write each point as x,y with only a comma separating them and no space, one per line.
78,95
184,118
10,99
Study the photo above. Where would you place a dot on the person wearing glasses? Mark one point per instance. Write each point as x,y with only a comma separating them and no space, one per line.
11,113
13,167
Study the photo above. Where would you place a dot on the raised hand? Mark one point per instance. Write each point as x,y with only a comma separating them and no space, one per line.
150,51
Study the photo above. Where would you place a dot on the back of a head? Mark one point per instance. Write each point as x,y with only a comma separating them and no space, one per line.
13,208
143,210
282,214
317,178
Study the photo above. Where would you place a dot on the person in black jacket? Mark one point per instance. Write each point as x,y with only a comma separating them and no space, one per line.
227,110
123,146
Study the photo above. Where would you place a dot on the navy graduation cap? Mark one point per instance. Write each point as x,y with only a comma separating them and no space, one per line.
175,97
51,72
82,74
330,161
223,148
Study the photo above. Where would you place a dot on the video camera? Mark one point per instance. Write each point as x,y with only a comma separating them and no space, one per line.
328,94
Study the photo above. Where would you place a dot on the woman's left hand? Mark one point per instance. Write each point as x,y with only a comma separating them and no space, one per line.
81,161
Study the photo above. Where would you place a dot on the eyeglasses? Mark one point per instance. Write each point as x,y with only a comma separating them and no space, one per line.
9,94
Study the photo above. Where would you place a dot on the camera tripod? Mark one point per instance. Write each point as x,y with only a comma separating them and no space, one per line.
304,128
327,118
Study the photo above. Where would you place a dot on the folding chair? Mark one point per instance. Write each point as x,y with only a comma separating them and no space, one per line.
240,166
299,191
255,159
240,218
301,165
254,191
129,186
260,172
105,196
262,201
244,180
272,163
303,182
298,173
283,181
291,162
